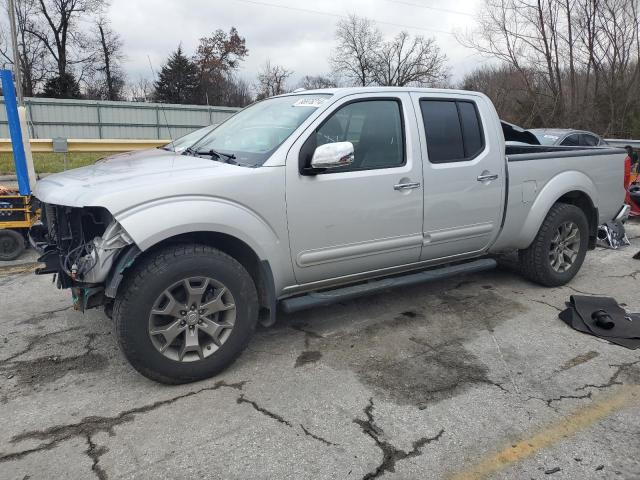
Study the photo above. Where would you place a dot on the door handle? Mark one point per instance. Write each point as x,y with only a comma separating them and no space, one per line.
485,177
406,186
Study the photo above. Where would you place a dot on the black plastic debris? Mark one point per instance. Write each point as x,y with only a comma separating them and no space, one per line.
637,256
612,235
604,318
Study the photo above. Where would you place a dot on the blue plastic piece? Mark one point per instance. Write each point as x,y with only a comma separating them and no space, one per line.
11,105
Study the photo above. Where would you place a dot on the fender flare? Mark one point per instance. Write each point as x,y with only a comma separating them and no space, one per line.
553,190
151,223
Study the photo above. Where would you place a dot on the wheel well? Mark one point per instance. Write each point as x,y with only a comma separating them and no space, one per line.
584,203
237,249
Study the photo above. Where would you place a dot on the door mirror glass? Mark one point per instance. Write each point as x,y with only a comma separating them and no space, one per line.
333,155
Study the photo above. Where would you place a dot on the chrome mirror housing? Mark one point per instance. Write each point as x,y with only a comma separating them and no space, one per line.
333,155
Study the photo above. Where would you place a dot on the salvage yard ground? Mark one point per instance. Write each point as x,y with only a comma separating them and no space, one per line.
474,377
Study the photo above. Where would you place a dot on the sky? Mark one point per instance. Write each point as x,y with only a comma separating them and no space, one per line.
297,35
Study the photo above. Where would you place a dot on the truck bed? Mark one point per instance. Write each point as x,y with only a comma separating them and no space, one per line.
533,152
535,171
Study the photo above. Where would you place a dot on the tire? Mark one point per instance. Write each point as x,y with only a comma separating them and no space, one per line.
537,261
150,280
11,244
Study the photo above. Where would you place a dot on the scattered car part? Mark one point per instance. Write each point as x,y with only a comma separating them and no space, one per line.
612,235
604,318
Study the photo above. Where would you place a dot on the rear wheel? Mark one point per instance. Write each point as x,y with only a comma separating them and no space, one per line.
185,313
11,244
557,253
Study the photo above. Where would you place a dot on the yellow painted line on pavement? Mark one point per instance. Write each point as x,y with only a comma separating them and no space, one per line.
554,433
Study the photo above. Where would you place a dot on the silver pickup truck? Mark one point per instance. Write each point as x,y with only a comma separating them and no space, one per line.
303,199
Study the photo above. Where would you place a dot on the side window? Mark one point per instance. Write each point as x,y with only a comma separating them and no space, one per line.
572,140
375,129
471,129
453,130
589,140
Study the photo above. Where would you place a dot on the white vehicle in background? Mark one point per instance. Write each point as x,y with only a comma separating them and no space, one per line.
567,137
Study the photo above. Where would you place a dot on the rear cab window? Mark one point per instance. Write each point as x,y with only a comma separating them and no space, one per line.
453,130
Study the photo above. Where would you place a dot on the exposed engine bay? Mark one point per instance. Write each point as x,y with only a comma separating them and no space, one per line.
79,246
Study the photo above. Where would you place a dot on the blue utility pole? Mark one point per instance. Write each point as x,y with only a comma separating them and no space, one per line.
11,105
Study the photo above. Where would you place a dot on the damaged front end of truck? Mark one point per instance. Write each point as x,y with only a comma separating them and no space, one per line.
85,249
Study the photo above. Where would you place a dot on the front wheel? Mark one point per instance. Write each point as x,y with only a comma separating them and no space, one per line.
557,253
185,313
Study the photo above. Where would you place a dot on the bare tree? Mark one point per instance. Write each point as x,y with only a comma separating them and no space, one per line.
406,61
237,93
140,91
355,56
272,80
107,59
311,82
578,60
31,50
61,35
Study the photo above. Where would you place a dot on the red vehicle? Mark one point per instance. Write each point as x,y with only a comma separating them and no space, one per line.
631,183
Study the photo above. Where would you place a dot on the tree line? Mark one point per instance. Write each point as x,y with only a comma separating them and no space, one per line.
67,49
561,63
361,57
554,63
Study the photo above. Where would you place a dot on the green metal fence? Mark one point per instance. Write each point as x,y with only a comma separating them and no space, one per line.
50,118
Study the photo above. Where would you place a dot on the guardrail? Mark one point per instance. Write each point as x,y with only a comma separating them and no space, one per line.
125,145
88,145
616,142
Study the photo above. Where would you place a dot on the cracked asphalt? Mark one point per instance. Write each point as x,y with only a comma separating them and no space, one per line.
472,377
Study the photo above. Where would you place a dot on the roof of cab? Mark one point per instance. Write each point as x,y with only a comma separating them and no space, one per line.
343,91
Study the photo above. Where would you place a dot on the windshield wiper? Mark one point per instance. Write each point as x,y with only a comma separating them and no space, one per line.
213,153
230,157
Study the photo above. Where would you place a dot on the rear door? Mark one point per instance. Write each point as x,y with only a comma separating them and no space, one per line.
464,174
366,216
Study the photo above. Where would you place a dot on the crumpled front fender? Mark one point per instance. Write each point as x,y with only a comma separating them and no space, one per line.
151,223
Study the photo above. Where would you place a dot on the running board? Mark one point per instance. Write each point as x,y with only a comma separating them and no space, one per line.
328,297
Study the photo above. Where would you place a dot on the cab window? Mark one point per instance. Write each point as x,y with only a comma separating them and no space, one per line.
375,129
572,140
453,130
590,140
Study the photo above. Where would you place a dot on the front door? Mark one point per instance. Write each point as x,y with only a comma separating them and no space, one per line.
464,174
368,215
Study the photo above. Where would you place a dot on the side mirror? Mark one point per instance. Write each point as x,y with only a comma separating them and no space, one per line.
332,155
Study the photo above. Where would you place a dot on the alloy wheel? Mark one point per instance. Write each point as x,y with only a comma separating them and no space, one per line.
191,319
564,247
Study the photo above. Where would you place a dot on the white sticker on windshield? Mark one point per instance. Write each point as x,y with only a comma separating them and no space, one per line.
314,102
552,137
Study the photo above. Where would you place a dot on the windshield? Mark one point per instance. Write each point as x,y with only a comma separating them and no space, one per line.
180,144
254,133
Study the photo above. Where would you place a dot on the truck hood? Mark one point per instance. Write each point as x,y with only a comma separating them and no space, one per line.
144,175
